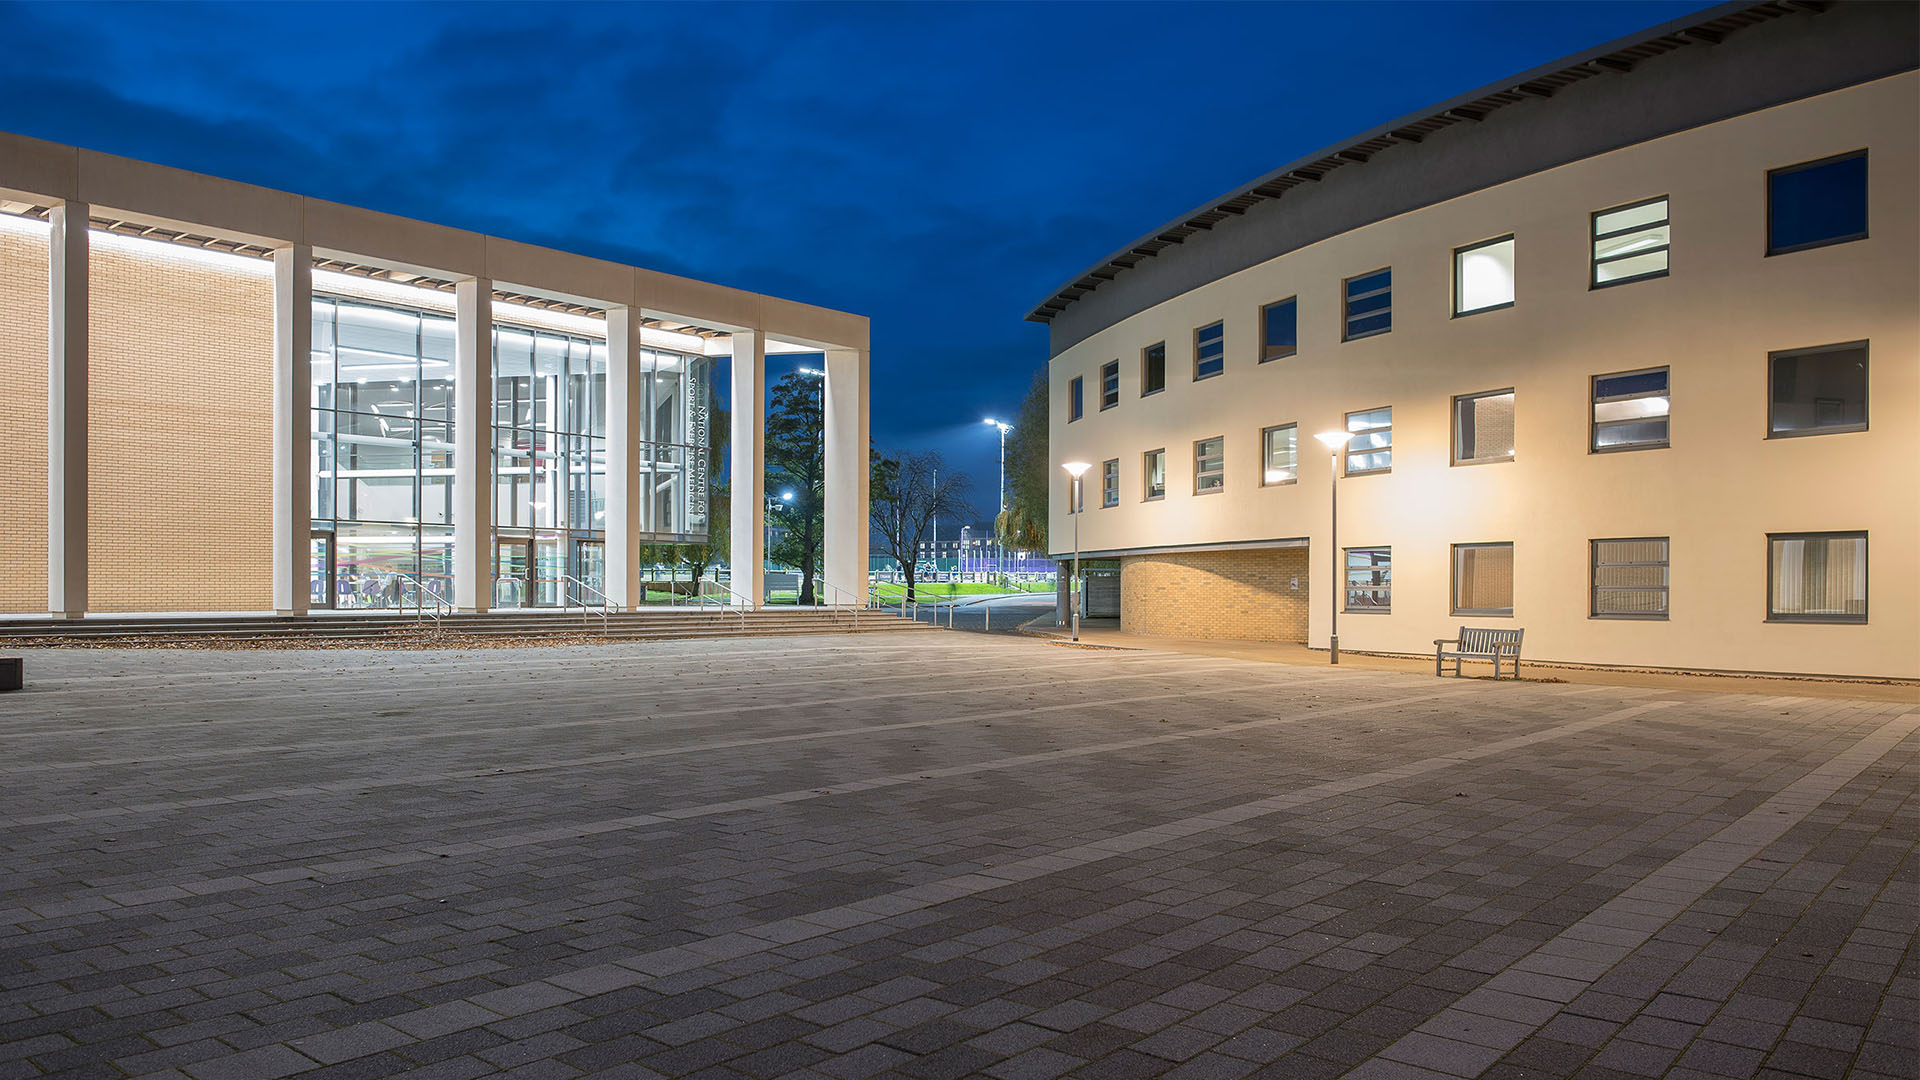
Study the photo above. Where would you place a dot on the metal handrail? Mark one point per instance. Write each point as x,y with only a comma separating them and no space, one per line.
700,598
420,592
951,605
606,602
853,607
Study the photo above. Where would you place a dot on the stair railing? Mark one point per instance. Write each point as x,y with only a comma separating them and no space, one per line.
421,594
586,609
852,605
702,599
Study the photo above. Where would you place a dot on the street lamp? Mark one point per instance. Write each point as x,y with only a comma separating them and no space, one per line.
766,556
1074,469
1002,544
1334,441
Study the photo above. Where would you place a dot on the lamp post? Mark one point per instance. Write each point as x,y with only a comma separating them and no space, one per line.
773,504
1074,469
1334,441
999,542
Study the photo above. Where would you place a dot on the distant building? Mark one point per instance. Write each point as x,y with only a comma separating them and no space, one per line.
1626,350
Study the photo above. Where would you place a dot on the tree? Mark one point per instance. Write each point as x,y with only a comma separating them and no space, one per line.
797,462
906,494
1024,525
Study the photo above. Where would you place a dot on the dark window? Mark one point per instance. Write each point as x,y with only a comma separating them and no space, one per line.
1209,351
1630,243
1369,304
1369,580
1073,399
1630,578
1631,410
1156,473
1279,329
1153,369
1817,203
1818,391
1109,385
1817,577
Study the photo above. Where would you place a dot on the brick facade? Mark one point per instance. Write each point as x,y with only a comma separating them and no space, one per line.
1247,595
180,422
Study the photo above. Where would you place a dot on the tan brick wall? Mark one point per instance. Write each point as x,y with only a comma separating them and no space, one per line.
1251,595
180,424
23,422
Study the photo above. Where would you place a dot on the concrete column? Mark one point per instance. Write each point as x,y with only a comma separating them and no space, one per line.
847,494
747,467
473,445
292,427
67,277
626,427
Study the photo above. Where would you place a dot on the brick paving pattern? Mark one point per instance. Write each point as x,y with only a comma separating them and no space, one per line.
940,856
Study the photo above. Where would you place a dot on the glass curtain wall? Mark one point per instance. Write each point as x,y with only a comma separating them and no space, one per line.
673,460
382,403
549,467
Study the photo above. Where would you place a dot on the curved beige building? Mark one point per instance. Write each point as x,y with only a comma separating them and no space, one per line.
1627,350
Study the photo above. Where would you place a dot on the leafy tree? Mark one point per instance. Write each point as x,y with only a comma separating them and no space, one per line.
1024,525
906,494
796,451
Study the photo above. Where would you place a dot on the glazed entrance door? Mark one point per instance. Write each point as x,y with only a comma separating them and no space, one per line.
513,574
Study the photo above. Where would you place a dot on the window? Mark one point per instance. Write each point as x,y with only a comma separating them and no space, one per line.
1073,399
1280,329
1483,579
1370,580
1630,578
1155,468
1369,304
1817,203
1110,483
1817,577
1280,455
1630,410
1209,351
1109,385
1153,369
1209,465
1630,243
1370,450
1483,276
1817,391
1483,427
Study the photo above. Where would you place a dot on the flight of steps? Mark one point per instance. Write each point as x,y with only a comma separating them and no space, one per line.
389,628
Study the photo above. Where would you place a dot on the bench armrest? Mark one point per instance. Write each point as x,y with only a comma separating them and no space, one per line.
1446,641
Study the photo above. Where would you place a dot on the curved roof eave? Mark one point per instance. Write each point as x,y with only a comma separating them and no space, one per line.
1707,27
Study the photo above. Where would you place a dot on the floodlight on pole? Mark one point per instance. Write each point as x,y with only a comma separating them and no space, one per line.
1334,441
1004,428
1075,469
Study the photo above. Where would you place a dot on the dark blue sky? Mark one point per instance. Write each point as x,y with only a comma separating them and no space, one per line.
936,167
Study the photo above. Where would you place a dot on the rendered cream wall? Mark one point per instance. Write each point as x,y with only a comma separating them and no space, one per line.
23,419
1717,492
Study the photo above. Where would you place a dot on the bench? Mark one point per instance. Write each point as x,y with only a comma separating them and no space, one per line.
12,668
1479,643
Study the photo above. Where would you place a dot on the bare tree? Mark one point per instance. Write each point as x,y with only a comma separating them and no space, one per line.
907,493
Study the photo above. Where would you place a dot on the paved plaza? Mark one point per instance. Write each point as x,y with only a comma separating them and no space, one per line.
940,855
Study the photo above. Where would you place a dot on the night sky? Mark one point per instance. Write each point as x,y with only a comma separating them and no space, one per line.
940,168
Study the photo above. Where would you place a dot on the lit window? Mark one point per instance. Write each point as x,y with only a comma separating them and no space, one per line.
1370,449
1483,579
1817,203
1109,385
1483,427
1073,399
1110,483
1630,578
1818,391
1369,304
1630,243
1209,351
1209,465
1280,454
1630,410
1279,329
1369,580
1817,577
1483,276
1156,472
1153,369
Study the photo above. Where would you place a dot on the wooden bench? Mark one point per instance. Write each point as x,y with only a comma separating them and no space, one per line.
1478,643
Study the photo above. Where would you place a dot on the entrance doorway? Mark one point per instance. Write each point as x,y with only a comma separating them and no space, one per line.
513,573
320,571
590,568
